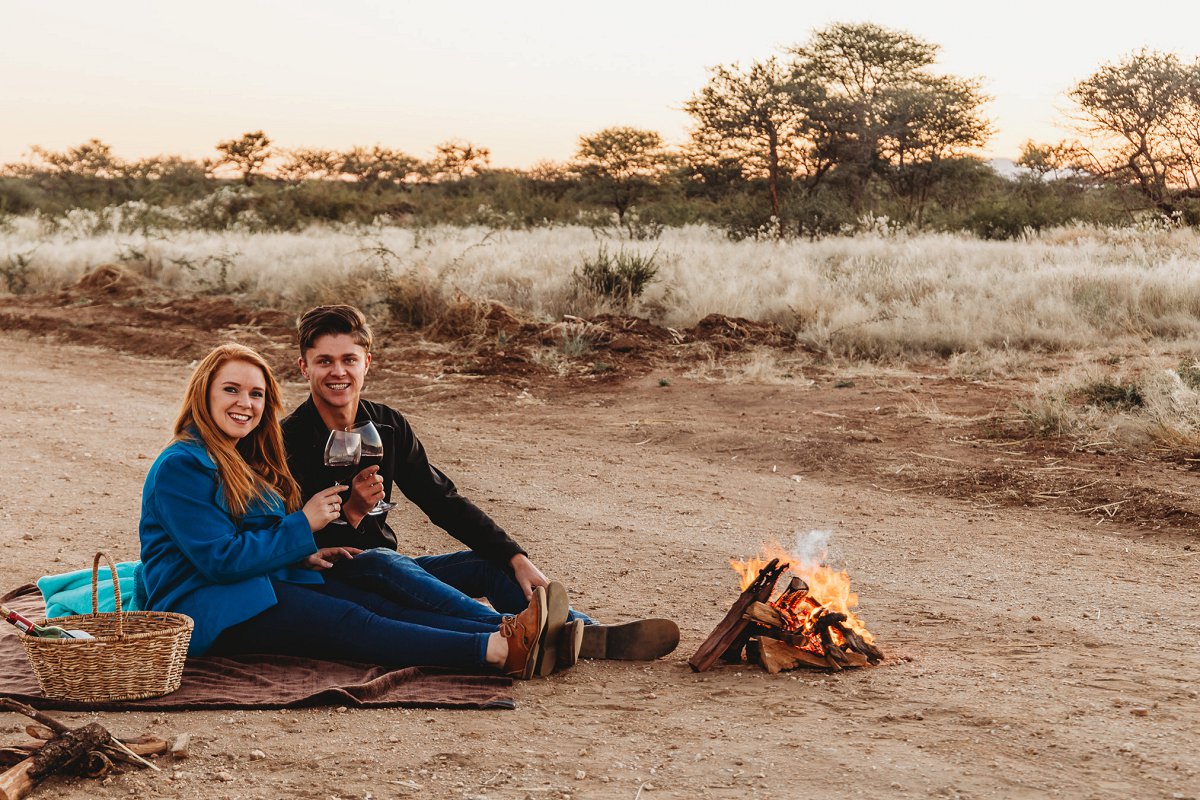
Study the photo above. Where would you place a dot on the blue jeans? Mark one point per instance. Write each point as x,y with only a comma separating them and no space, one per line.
442,584
340,621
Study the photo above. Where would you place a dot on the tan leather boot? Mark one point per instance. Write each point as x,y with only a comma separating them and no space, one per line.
524,634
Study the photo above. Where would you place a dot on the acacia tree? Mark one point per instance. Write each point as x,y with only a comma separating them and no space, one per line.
749,117
307,163
377,166
79,172
622,164
1141,117
247,154
874,108
455,159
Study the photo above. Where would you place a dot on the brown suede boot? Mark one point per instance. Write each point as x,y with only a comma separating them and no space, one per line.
524,635
569,643
641,640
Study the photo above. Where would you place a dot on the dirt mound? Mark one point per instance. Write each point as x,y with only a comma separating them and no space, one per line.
218,313
735,333
466,317
111,281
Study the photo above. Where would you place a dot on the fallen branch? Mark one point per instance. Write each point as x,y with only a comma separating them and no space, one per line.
90,750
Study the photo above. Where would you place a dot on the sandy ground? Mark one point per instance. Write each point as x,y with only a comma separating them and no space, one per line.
1032,653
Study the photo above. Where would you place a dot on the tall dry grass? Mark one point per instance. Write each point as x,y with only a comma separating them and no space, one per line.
865,296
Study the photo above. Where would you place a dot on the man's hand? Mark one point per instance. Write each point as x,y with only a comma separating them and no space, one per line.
527,575
323,559
366,489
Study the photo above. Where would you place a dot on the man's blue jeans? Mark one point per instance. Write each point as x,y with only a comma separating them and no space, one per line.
443,585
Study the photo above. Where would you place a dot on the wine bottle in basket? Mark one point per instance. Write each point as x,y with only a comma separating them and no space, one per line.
27,626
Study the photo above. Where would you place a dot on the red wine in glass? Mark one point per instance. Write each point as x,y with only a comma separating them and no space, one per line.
372,453
343,451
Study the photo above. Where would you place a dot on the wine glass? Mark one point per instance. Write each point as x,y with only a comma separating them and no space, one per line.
372,453
343,450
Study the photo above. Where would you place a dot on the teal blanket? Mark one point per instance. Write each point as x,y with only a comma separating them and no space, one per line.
71,592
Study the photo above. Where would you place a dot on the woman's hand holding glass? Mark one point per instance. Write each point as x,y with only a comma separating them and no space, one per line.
323,507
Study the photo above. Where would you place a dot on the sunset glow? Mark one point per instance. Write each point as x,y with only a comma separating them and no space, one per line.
524,79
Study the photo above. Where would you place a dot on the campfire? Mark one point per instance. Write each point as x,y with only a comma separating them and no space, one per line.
809,623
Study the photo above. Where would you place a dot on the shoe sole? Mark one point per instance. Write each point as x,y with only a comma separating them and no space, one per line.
539,597
557,605
641,640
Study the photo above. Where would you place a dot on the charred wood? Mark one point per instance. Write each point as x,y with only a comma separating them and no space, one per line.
731,631
856,642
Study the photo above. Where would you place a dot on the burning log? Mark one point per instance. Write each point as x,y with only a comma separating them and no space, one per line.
731,633
857,643
764,614
776,656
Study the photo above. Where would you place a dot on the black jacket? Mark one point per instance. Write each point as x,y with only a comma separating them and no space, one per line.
407,467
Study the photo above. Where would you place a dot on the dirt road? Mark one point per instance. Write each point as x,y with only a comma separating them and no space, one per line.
1031,655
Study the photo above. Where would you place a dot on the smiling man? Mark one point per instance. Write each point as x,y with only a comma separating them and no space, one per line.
335,356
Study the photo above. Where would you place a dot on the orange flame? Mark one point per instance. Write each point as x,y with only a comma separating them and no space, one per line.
828,589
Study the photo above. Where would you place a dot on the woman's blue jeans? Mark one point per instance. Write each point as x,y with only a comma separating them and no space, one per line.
336,620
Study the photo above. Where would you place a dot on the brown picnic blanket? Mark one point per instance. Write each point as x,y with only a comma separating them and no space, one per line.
263,681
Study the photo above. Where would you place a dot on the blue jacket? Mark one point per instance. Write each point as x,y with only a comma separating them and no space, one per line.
198,560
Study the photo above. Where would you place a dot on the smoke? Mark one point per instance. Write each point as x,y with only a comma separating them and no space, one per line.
812,547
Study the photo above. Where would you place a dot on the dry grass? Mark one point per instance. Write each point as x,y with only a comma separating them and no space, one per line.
869,296
1135,405
761,366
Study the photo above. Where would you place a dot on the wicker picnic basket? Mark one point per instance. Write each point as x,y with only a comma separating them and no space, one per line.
134,655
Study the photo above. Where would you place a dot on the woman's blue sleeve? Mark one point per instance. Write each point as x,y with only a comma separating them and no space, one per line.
185,502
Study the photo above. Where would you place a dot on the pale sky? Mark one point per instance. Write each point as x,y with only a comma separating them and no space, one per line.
524,78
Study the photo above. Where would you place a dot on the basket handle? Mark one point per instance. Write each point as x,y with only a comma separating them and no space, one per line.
112,568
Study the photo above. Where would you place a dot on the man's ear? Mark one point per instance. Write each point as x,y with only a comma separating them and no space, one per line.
300,362
367,364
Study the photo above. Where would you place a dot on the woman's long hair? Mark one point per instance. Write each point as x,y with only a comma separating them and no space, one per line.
256,464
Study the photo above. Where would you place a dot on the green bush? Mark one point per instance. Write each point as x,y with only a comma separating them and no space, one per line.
620,278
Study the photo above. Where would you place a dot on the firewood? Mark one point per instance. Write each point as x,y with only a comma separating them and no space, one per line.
16,782
834,652
765,614
96,765
854,658
47,720
855,642
731,630
776,656
797,588
148,746
827,619
734,653
40,732
69,746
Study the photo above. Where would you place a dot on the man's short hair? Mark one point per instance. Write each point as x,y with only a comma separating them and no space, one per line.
324,320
